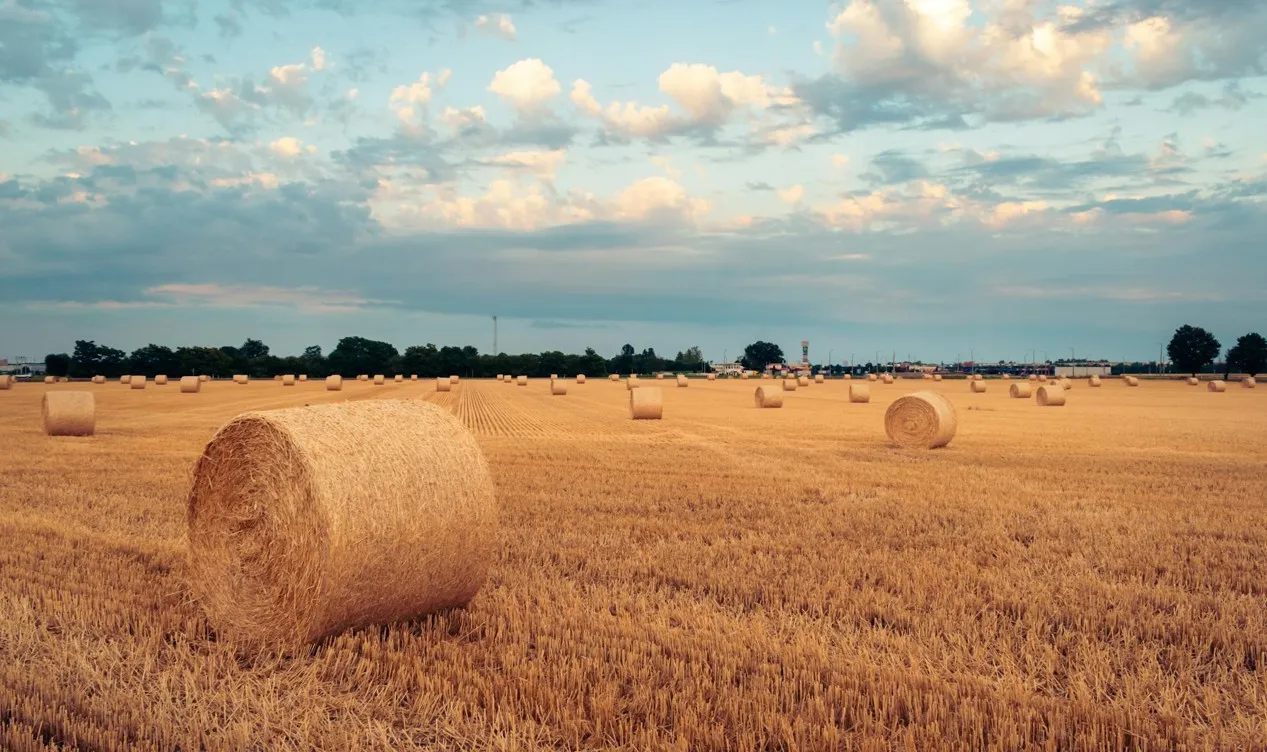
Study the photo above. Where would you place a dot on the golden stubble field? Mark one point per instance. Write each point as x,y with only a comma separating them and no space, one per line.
1086,577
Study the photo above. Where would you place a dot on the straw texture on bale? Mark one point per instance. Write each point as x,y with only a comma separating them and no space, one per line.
379,379
399,379
859,393
802,381
303,377
580,378
768,396
631,384
443,385
137,382
69,413
240,378
712,377
288,380
923,420
190,385
1093,381
305,522
1050,396
558,387
789,385
646,403
125,379
1132,381
872,377
887,378
1193,381
1249,382
521,381
160,380
50,379
1217,385
6,381
98,379
454,379
334,383
977,386
682,381
1023,390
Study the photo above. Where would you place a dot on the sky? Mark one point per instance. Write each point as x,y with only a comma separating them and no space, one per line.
942,179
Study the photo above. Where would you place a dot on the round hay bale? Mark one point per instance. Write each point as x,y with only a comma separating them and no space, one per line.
1249,382
334,383
580,378
1093,381
1050,395
1023,390
363,377
499,376
303,377
190,385
927,377
454,379
614,377
712,377
1193,381
937,377
978,387
305,522
978,377
646,403
521,381
631,384
413,377
872,377
1042,378
859,393
6,382
1065,384
789,385
125,379
443,384
137,382
50,379
1218,385
277,377
558,388
659,376
1006,377
204,377
554,376
160,380
802,381
69,413
818,379
682,381
399,378
847,377
923,420
1033,377
240,378
768,397
887,378
379,379
288,380
98,379
1132,381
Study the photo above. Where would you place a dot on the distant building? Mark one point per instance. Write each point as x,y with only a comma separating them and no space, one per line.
21,368
1078,369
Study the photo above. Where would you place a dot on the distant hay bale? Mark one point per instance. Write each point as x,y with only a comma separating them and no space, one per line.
1218,385
398,378
923,420
937,377
872,377
554,376
580,378
768,396
125,379
1132,381
1006,377
558,387
1065,384
303,377
802,381
887,378
160,380
6,382
818,379
98,379
1051,395
240,378
646,403
859,393
363,377
613,377
1042,378
1093,381
847,377
137,382
288,380
1023,390
50,379
977,387
443,385
978,377
499,376
277,377
521,381
305,522
413,377
789,385
712,377
1249,382
1193,381
454,379
69,413
190,385
1033,377
745,375
631,384
682,381
927,377
379,379
334,383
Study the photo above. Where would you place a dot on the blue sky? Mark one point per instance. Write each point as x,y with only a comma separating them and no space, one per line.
930,177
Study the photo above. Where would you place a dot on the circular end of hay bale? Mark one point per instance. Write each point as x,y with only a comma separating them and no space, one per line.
288,380
682,381
1033,377
443,384
789,385
923,420
558,388
521,381
160,380
6,382
646,403
767,396
379,379
190,385
1249,382
50,379
69,413
872,377
413,377
137,382
1023,390
363,377
334,383
819,379
1217,385
580,378
977,386
303,377
613,377
1051,395
308,521
859,393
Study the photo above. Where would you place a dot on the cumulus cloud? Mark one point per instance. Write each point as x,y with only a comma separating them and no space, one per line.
498,24
527,85
237,101
412,102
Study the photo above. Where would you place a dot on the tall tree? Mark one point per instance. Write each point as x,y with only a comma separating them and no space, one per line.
152,360
57,364
1248,355
212,361
353,356
1192,348
760,354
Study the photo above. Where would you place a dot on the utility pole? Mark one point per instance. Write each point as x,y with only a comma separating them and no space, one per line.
1160,368
1072,358
494,335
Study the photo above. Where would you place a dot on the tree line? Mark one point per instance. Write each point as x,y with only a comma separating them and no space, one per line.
1193,349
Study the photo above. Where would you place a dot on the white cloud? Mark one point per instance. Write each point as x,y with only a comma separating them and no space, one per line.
411,102
287,147
318,59
497,23
459,119
543,164
658,195
527,84
792,194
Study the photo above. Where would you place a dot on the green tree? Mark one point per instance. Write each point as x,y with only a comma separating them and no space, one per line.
212,361
152,360
760,354
89,358
1248,355
1192,349
57,364
691,356
422,360
353,356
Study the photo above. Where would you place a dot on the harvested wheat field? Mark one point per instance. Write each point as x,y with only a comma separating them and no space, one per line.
1092,577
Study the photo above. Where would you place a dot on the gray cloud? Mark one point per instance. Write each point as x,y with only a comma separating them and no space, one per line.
895,167
1232,98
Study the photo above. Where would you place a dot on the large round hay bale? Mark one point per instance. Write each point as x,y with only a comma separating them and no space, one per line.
1022,390
1193,381
137,382
661,376
443,384
613,377
240,378
160,380
190,385
887,378
399,378
363,377
558,387
682,381
789,385
413,377
521,381
303,377
309,521
859,393
802,381
499,376
631,384
768,396
454,379
1093,381
288,379
1218,385
98,379
1249,382
712,377
937,377
848,377
50,379
379,379
977,387
6,382
1132,381
334,383
923,420
69,413
1033,377
646,403
1050,395
580,378
125,379
872,377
